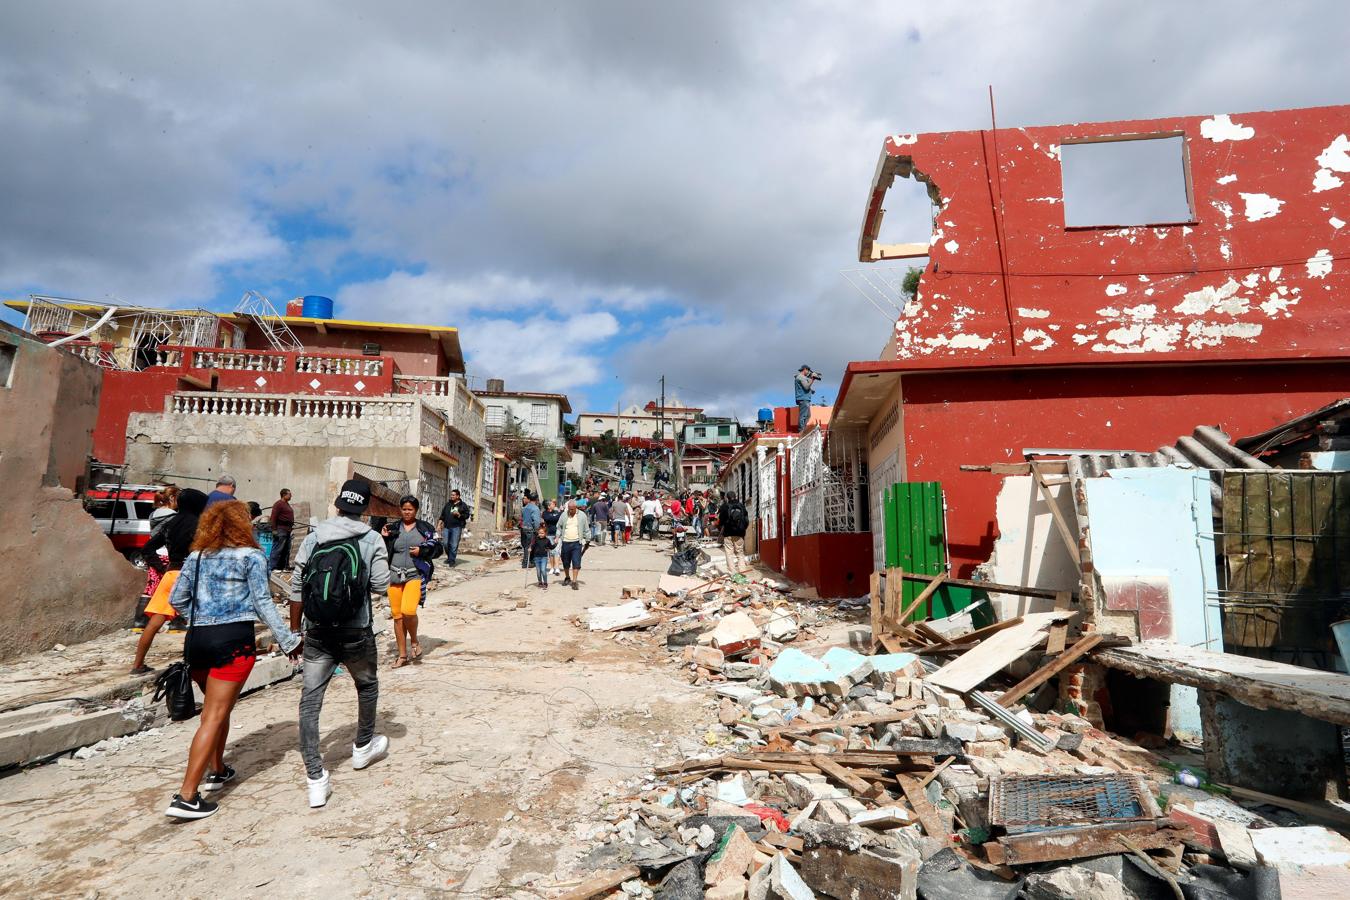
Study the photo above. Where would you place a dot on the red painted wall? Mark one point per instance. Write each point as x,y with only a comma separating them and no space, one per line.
145,391
956,418
1262,268
416,354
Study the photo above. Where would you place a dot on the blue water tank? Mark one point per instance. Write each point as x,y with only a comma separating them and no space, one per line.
765,414
316,307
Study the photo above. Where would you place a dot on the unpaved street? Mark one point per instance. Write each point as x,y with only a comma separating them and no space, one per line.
506,742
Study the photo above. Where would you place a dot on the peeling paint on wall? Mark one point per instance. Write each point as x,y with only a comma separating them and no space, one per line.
1115,290
1222,299
1227,179
1319,264
1261,206
1041,339
1033,313
1222,128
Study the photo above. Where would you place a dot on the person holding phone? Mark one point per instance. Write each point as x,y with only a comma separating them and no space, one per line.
411,544
804,385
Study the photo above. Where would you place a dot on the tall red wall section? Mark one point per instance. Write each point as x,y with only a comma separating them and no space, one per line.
415,353
1261,269
980,417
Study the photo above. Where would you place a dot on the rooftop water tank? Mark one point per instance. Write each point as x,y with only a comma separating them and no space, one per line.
765,414
316,307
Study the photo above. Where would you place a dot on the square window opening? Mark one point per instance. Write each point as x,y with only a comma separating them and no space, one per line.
1116,182
8,353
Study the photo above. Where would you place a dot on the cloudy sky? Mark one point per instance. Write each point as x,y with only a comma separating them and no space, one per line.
596,193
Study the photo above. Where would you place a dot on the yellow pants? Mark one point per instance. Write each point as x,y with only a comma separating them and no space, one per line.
403,598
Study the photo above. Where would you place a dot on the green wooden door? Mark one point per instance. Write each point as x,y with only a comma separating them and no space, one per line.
916,541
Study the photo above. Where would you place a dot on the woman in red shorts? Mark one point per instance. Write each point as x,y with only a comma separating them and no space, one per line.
223,592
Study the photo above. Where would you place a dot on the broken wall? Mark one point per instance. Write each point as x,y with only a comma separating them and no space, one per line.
67,582
1029,550
1257,267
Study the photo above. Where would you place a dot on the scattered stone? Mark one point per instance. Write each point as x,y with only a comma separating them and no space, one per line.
1074,883
732,857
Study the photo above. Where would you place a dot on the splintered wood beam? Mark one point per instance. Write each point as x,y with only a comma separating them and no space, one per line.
1049,670
924,594
990,586
1061,524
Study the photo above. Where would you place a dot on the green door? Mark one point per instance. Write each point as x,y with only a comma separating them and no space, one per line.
916,541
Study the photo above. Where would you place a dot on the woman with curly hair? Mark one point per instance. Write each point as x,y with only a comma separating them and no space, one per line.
223,591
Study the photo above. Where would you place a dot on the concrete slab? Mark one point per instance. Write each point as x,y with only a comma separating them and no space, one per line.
38,733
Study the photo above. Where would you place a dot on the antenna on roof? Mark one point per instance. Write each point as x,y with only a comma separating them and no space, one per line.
263,314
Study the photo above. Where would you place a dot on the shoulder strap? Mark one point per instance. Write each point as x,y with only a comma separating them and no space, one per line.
192,607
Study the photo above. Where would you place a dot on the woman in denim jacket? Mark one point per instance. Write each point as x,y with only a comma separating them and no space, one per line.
223,591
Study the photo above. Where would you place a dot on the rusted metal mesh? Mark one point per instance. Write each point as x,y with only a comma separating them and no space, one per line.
1016,800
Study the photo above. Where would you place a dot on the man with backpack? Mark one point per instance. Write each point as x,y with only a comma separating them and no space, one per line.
338,565
735,521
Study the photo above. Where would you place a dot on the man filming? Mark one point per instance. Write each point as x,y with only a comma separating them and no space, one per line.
804,385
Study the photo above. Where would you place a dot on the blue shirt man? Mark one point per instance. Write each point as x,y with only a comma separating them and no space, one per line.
804,385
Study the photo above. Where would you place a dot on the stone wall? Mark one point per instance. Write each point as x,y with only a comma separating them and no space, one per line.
67,583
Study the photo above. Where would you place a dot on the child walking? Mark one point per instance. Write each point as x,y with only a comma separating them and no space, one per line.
540,548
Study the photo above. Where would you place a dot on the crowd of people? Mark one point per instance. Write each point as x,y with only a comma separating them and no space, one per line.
208,567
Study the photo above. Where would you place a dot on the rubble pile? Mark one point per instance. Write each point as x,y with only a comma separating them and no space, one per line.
833,773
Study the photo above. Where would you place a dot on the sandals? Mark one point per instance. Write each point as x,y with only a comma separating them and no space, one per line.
400,662
417,653
141,670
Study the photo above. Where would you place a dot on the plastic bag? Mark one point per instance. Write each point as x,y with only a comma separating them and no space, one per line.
685,562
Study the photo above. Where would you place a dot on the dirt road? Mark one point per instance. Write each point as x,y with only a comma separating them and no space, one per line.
507,741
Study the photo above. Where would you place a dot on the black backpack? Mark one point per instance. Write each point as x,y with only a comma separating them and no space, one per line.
335,584
737,518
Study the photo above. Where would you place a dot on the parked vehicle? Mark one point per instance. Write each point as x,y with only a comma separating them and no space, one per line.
124,514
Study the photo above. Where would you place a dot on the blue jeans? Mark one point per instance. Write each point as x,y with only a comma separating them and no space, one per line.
451,538
803,414
541,569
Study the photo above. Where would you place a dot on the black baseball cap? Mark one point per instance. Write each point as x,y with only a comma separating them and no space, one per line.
354,496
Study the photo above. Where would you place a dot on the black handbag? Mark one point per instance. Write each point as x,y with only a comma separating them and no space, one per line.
174,684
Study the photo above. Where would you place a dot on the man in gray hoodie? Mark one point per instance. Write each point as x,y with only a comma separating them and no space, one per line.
350,643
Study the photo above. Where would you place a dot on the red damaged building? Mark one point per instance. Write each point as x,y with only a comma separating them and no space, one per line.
1034,328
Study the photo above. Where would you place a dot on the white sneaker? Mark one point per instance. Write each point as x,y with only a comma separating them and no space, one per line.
320,789
376,750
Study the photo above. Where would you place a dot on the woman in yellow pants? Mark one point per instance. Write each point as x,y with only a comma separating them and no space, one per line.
412,543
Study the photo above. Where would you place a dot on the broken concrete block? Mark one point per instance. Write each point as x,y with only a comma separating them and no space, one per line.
706,657
794,674
875,874
732,857
1074,883
632,614
846,665
782,626
730,889
893,665
947,876
988,749
1310,845
741,693
741,671
803,791
882,818
736,633
1235,844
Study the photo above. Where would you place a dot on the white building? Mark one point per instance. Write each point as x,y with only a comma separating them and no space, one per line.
638,421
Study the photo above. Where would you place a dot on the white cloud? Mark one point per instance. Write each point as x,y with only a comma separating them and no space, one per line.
541,353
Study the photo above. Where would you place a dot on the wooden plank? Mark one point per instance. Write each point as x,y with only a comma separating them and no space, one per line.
1080,843
1049,670
980,634
1059,632
854,720
601,882
1323,812
990,586
784,841
932,821
875,608
969,670
923,595
1061,524
840,774
936,637
1255,682
937,771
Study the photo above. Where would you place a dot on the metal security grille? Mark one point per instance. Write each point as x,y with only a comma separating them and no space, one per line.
768,496
390,484
808,484
1016,800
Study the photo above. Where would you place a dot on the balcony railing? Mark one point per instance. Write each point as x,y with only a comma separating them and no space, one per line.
289,405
